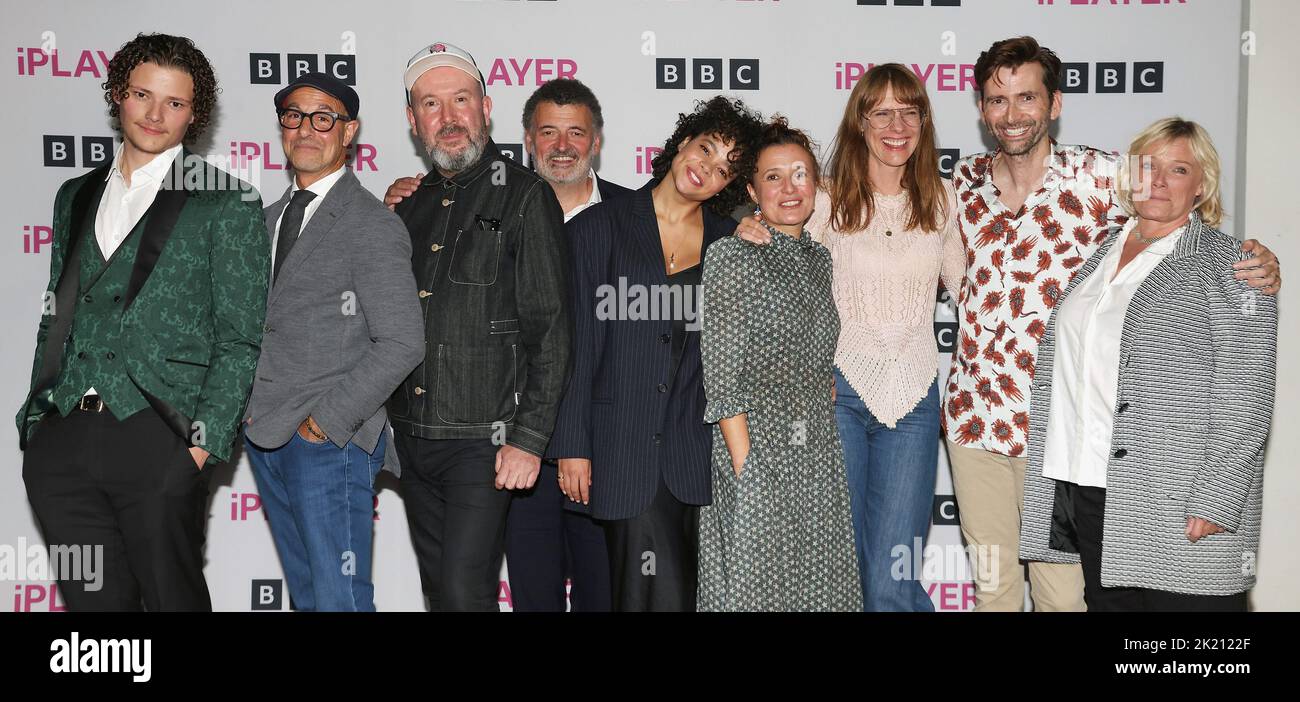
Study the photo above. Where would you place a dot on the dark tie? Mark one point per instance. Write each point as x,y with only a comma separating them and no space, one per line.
290,226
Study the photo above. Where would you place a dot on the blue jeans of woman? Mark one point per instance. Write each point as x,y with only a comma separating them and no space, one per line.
891,475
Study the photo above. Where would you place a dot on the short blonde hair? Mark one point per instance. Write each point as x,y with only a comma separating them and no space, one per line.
1210,206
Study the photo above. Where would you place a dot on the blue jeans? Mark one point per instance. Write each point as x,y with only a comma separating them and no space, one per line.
319,499
891,493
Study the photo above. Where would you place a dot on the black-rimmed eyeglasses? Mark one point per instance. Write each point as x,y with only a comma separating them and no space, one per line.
320,121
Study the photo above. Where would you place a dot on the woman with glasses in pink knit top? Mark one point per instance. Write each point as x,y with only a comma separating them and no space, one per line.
889,221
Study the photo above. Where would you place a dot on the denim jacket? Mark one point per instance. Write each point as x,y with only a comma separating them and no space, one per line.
491,263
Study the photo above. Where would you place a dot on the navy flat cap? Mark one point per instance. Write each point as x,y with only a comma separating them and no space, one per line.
326,84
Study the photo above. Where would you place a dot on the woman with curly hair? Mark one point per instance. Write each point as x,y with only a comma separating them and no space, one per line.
629,436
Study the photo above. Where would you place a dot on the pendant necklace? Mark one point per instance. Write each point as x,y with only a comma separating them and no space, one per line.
1146,240
888,218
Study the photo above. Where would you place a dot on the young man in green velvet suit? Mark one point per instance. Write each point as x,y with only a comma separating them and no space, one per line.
148,343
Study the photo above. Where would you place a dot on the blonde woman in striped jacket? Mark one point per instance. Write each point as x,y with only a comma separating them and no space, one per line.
1153,398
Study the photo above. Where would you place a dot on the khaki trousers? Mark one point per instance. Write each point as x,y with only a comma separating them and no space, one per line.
990,492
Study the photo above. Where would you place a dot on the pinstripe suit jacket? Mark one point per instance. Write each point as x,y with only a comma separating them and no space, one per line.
1195,399
613,412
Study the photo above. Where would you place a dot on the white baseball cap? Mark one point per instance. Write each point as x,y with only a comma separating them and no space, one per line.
441,54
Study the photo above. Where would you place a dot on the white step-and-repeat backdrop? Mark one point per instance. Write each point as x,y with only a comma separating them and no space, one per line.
1127,63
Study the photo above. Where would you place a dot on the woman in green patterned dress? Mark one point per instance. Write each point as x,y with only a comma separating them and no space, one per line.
778,536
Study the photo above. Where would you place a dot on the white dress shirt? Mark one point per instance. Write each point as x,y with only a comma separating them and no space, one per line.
321,188
1085,374
123,205
595,197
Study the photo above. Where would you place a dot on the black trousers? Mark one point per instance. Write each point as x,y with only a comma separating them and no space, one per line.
132,488
653,557
457,518
546,542
1089,515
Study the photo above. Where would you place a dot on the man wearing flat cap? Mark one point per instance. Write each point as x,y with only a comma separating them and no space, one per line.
490,259
343,328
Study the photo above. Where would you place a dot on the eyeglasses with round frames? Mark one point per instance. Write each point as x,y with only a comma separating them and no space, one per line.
883,119
320,121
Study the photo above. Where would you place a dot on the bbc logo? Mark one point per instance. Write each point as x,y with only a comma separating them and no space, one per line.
945,336
706,74
267,595
947,161
945,510
1112,77
60,151
265,69
913,3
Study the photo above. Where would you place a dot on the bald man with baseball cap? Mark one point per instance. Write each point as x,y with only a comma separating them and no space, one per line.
490,260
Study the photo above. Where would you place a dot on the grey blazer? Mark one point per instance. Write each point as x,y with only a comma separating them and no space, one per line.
1195,399
343,324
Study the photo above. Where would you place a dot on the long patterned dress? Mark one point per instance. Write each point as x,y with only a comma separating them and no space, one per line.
779,537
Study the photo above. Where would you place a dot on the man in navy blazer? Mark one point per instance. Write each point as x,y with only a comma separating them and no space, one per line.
563,128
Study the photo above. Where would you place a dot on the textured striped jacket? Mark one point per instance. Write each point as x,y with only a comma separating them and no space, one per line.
1195,398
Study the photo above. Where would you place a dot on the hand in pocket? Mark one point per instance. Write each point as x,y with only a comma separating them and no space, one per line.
311,432
738,466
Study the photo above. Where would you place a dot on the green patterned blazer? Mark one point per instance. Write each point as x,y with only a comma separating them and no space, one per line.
192,312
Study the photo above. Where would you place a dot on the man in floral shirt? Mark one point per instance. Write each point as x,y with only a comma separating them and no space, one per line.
1030,213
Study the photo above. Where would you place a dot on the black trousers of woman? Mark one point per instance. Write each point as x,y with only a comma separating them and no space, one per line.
653,556
1089,515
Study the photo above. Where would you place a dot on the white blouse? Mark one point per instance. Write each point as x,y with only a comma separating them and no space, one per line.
1085,373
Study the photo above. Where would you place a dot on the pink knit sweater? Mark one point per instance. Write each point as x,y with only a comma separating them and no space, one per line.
885,281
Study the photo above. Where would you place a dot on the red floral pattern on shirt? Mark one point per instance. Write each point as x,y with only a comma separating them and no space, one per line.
1018,264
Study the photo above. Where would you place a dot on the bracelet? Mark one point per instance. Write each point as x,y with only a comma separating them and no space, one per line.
315,433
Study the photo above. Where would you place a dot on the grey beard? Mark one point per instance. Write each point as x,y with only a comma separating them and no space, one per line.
581,169
452,163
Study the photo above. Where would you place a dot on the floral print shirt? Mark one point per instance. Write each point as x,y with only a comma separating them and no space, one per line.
1017,265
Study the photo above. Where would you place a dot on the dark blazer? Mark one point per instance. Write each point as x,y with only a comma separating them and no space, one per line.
613,412
608,190
194,306
343,323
